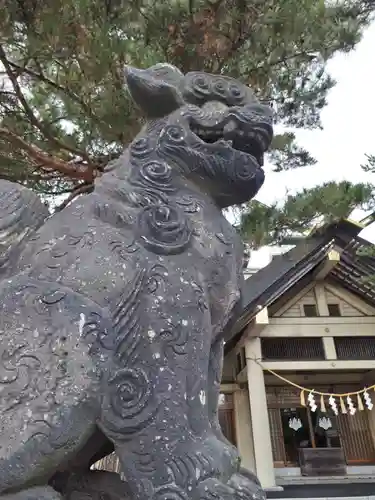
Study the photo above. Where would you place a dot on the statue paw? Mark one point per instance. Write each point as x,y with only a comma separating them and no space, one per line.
213,489
224,454
210,456
246,486
242,485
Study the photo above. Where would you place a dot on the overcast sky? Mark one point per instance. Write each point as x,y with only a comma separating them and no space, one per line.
348,130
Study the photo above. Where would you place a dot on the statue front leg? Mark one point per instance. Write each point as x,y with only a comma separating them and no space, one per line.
215,370
156,413
245,483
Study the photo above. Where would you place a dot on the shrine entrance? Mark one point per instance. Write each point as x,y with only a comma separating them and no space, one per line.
303,428
319,443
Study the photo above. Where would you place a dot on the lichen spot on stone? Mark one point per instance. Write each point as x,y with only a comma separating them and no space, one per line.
82,320
202,397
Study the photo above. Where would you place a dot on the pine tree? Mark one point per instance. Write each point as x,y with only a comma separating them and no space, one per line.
300,213
65,111
369,167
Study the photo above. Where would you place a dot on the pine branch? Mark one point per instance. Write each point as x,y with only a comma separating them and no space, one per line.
29,112
71,170
40,76
81,189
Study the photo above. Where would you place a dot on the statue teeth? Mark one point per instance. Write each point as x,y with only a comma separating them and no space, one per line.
230,127
225,142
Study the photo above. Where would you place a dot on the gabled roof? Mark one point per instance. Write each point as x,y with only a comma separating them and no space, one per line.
286,270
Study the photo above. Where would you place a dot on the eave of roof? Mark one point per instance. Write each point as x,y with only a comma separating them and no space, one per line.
354,271
285,270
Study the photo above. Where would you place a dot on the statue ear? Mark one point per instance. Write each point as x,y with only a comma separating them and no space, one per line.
155,90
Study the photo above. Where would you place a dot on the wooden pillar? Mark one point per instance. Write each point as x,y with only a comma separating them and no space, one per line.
259,415
244,433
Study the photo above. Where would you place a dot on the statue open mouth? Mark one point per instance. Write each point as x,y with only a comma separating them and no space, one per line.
246,130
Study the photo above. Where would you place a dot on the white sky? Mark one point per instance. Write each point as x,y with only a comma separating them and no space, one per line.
348,132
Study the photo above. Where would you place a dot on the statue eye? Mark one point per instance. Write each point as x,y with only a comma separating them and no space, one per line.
236,92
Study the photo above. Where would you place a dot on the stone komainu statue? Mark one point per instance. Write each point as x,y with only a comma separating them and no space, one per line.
114,311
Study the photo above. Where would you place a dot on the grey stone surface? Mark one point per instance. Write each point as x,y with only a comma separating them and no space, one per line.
36,493
114,312
94,485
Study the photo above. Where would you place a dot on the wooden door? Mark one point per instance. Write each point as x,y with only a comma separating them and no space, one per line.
226,417
277,437
356,438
